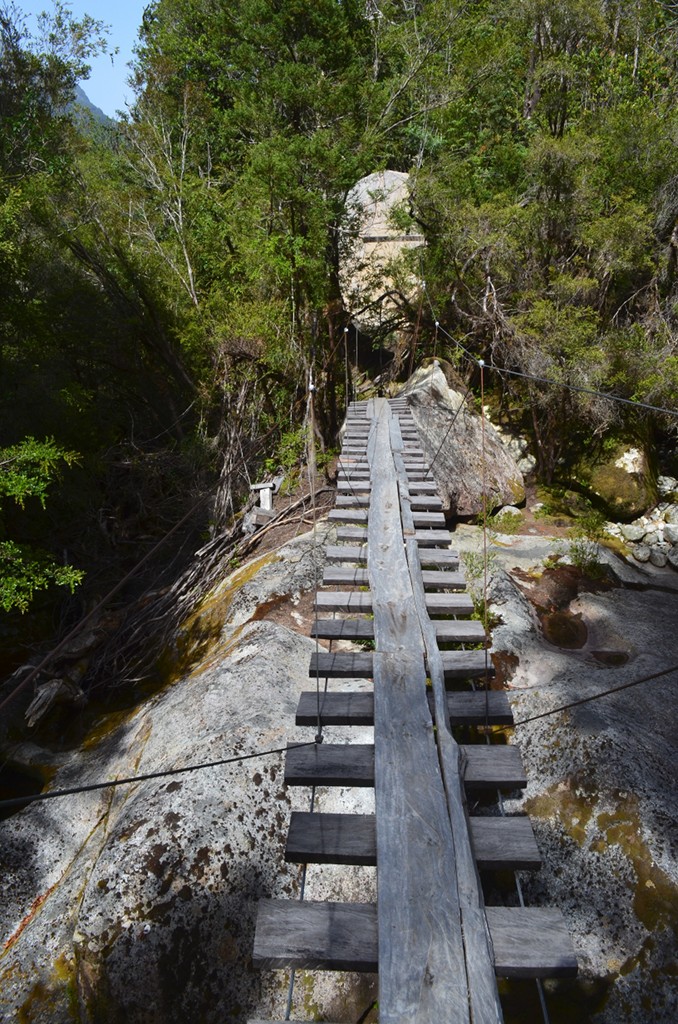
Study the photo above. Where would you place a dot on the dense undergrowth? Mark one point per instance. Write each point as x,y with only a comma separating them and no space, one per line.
171,279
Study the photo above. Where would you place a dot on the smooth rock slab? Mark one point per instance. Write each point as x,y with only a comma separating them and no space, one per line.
138,903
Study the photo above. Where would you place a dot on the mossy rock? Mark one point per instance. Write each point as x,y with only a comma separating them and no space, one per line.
624,482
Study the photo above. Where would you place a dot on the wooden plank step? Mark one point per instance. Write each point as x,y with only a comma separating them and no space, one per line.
353,553
447,630
352,764
357,708
353,487
428,503
423,486
349,515
499,844
422,518
426,538
352,501
433,579
358,664
528,942
361,601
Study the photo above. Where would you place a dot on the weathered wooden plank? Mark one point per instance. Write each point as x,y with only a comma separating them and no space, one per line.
331,839
330,764
499,844
505,843
345,553
531,942
528,942
422,486
485,1007
360,601
352,764
422,518
427,556
360,665
357,708
352,500
349,515
354,485
493,766
450,630
426,538
432,578
326,936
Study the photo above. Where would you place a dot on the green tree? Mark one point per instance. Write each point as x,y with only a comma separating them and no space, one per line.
27,470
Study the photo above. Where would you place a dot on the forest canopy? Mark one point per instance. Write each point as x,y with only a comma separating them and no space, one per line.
171,279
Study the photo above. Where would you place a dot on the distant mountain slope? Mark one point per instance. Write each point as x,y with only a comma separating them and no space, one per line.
81,99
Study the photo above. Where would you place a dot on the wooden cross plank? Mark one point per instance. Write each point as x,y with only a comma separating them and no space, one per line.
352,764
337,575
528,942
458,631
467,707
360,601
427,556
426,538
499,844
361,665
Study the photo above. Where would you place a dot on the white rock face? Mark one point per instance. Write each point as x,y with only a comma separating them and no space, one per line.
631,461
138,903
371,243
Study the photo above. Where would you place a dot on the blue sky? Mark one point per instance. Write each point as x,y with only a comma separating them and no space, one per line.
106,86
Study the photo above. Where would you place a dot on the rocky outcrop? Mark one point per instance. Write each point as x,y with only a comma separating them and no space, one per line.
601,793
653,537
138,903
464,463
623,481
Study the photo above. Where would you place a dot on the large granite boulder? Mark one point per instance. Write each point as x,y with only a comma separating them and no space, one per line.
464,463
138,903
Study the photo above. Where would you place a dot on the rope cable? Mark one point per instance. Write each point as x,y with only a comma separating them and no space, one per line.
485,547
146,777
577,389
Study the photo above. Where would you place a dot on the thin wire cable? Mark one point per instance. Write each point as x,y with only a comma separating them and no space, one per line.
447,432
146,777
485,549
595,696
547,380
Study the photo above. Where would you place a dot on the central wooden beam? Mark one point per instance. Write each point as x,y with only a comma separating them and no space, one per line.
422,973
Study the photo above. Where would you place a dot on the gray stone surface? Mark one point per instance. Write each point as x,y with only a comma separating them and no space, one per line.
601,780
632,531
138,903
641,552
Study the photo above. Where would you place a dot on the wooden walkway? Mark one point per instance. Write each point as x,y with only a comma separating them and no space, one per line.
436,946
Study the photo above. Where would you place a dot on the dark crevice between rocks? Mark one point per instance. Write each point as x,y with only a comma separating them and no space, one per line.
17,782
